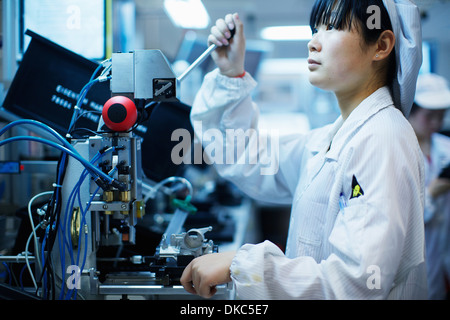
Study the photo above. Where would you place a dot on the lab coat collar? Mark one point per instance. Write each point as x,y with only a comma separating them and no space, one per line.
340,131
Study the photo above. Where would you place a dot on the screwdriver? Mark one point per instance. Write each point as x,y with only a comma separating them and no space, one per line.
202,57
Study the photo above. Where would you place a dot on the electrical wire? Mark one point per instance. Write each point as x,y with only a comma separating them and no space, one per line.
102,77
53,210
80,101
93,170
42,126
151,194
27,257
88,168
44,273
65,227
65,243
53,214
67,145
8,271
30,216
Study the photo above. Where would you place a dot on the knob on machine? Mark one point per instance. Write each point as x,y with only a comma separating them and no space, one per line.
119,113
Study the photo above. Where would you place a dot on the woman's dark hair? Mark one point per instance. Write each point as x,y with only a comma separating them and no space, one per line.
343,13
340,13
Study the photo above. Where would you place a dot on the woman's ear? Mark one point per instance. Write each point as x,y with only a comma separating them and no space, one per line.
385,45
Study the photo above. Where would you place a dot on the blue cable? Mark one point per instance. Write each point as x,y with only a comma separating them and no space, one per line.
68,149
82,223
62,236
75,193
21,276
96,71
80,100
65,227
65,235
84,92
84,211
93,170
44,278
69,213
41,125
8,271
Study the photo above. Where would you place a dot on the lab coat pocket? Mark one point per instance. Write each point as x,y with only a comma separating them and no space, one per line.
347,236
310,231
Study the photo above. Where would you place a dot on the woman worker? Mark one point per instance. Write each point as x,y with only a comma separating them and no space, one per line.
356,186
432,101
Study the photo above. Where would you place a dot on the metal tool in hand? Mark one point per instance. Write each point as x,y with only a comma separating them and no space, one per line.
202,57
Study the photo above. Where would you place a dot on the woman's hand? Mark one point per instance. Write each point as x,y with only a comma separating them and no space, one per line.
230,53
204,273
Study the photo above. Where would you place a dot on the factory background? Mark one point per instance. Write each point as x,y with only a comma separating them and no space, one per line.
95,29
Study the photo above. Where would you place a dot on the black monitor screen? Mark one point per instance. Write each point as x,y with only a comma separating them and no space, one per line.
47,83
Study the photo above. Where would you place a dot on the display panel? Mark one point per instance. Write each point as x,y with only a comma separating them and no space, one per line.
47,83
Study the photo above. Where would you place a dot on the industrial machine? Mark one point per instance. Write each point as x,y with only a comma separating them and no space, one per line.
102,216
86,235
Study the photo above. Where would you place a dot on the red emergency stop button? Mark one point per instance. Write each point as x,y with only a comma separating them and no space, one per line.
119,113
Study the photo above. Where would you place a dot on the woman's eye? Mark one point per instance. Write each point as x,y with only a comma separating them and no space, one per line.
330,27
314,30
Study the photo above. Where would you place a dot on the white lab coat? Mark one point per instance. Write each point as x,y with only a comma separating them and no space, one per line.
373,248
437,220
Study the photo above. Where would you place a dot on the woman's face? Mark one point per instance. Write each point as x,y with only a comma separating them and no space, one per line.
426,122
337,60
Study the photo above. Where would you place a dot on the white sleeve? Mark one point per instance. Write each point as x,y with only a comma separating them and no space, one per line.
262,271
225,119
